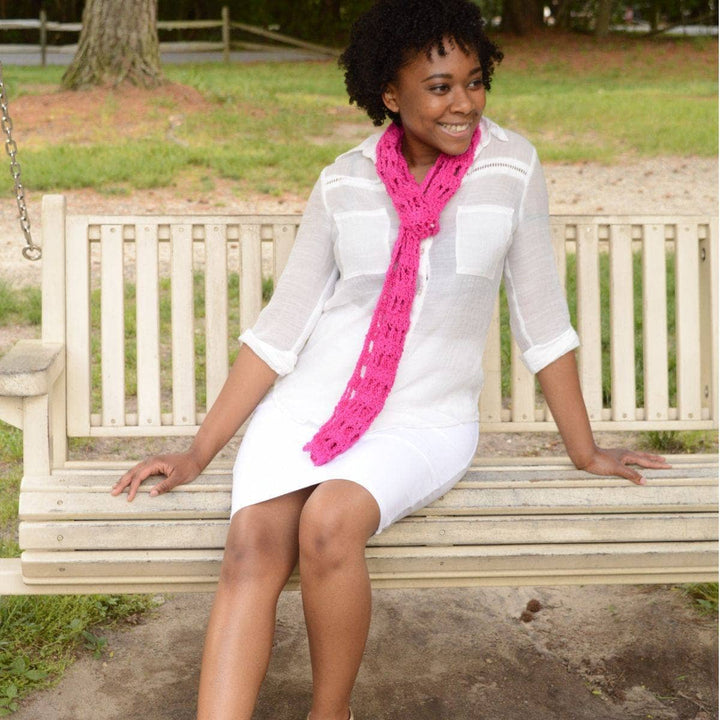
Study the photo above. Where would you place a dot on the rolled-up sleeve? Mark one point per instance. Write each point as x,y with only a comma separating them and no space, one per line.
539,315
308,280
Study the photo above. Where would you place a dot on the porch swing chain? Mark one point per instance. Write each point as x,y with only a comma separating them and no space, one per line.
31,251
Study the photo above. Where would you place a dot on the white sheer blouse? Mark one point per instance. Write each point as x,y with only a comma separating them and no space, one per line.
495,226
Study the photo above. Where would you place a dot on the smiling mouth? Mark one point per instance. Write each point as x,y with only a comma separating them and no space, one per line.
456,129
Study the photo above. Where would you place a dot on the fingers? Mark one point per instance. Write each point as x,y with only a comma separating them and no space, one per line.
631,474
650,461
134,477
177,468
165,485
641,459
617,461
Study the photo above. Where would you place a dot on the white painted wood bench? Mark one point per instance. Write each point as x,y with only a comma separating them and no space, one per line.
514,522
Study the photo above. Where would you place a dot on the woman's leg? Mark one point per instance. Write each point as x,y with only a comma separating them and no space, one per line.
335,524
260,554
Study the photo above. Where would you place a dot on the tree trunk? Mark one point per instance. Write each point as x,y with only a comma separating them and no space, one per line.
561,13
118,42
332,8
654,15
602,20
522,16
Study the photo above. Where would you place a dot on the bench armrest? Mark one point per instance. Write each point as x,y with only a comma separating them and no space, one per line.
30,368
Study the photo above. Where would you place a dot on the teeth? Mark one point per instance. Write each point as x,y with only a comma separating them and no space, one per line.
456,128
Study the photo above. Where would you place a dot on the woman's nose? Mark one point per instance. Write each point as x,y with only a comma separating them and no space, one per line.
461,101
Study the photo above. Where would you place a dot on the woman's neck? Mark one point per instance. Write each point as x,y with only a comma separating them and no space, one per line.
418,164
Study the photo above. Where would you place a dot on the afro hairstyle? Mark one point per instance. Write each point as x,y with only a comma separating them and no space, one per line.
388,35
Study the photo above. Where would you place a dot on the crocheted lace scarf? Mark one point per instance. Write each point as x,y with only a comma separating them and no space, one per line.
419,207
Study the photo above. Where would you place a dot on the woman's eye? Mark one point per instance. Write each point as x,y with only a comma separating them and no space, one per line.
476,84
439,88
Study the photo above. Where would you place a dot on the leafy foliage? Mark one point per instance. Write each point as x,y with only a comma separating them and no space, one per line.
328,21
42,634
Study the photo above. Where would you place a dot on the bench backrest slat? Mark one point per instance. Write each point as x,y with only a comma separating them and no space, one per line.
709,304
622,327
183,325
78,351
250,276
175,292
112,324
589,321
687,304
147,312
655,334
216,312
491,396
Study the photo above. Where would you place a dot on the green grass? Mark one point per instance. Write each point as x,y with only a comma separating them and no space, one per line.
704,596
42,635
11,451
680,441
272,127
19,306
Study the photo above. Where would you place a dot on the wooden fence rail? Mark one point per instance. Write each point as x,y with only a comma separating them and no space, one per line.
224,45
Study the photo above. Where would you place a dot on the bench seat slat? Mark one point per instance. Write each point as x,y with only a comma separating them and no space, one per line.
412,531
97,480
498,565
523,499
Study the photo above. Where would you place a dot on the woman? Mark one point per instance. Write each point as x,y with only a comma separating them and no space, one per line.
376,330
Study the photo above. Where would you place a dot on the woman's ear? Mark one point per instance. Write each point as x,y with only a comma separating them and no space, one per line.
389,96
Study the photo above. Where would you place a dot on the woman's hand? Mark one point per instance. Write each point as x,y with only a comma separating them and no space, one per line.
615,461
178,469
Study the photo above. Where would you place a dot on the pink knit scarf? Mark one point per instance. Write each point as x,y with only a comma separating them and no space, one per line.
419,208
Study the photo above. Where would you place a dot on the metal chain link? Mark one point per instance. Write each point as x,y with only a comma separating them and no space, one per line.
31,251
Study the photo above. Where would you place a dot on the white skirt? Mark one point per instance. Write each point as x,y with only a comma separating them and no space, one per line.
403,468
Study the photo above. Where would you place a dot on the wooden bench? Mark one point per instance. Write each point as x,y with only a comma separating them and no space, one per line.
137,312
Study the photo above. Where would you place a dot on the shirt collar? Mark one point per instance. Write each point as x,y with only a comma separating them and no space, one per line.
487,129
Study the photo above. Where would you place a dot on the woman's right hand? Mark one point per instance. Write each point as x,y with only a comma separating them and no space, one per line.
178,469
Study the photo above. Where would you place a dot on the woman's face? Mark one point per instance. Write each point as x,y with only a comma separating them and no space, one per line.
440,100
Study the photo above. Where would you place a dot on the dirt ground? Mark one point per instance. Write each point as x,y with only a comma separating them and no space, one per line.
588,653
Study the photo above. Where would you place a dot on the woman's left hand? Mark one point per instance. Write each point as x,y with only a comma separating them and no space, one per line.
615,461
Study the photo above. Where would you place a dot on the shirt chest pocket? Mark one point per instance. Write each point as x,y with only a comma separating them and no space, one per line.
482,238
363,243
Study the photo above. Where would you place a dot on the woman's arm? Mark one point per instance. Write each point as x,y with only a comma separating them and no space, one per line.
561,386
248,381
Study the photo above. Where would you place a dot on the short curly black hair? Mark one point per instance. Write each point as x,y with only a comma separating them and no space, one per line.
386,36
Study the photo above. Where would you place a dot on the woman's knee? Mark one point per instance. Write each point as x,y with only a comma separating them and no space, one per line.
256,550
335,525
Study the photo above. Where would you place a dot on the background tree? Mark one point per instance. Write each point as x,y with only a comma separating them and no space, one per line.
522,16
118,42
602,19
328,21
